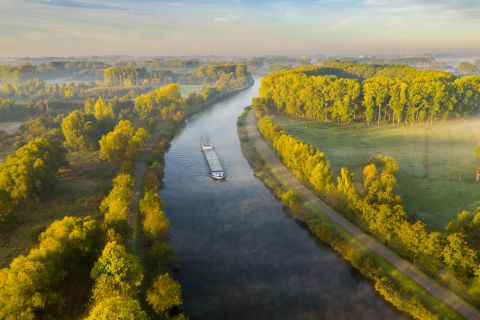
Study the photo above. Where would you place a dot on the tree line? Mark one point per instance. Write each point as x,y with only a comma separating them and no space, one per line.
346,92
235,74
39,284
51,70
377,209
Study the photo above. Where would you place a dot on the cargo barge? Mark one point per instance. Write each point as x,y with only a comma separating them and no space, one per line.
216,170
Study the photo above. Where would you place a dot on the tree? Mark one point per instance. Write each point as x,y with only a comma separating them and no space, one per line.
458,256
345,184
121,270
102,111
116,206
154,220
164,294
118,275
32,170
123,138
79,130
117,308
89,106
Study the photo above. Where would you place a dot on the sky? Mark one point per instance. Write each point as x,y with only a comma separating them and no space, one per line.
237,27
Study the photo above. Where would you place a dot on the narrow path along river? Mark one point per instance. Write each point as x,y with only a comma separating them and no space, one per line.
241,255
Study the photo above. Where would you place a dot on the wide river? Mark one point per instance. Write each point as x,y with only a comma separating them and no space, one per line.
241,255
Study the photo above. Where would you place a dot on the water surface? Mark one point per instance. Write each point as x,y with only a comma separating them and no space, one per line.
241,255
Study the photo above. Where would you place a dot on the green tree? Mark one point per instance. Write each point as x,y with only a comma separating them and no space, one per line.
120,269
116,205
458,256
89,106
79,130
154,220
345,184
164,294
102,111
32,170
122,141
117,308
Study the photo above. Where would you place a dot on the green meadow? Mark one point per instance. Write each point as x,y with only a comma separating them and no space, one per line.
437,163
186,89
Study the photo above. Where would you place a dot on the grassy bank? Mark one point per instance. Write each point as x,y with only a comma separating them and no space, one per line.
400,291
437,163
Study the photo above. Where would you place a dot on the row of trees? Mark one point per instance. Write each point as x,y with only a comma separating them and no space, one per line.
394,94
379,210
38,88
119,274
127,76
206,74
50,70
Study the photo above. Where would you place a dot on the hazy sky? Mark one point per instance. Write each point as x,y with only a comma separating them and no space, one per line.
154,27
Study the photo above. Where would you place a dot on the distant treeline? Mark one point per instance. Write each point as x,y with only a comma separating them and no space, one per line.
204,74
124,74
348,91
78,69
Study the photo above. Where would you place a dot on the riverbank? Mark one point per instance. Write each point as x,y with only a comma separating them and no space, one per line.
148,174
155,153
240,254
394,286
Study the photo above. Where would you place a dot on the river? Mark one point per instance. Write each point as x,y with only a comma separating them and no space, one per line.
241,255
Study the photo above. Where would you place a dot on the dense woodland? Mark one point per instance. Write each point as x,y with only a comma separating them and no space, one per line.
347,91
29,94
95,256
453,255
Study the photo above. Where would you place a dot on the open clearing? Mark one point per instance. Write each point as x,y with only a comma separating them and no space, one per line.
437,163
10,127
186,89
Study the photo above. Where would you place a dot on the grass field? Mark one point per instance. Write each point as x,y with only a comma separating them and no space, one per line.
78,193
10,127
437,163
186,89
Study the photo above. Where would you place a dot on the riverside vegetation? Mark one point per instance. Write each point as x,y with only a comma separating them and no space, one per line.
82,266
348,92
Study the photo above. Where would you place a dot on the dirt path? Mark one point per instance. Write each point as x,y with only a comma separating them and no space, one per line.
409,270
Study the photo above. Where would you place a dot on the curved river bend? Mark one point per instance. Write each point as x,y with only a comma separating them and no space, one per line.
241,256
